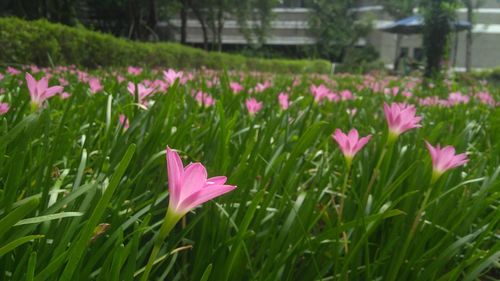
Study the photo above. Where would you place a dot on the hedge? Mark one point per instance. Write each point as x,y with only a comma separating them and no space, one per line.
43,43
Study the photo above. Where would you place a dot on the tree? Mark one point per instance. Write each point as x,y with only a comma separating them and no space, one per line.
212,15
62,11
336,27
438,16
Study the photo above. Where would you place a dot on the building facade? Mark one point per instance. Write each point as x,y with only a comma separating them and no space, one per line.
290,28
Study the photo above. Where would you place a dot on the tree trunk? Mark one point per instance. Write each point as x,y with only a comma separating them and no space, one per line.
436,32
152,20
135,25
455,49
200,18
183,22
220,27
396,55
468,39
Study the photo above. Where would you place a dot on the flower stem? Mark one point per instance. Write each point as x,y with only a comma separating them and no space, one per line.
391,139
342,199
170,220
413,228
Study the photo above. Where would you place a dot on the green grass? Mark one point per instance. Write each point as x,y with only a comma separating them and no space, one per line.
82,198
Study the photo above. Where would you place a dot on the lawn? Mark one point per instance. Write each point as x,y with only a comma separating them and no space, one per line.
84,186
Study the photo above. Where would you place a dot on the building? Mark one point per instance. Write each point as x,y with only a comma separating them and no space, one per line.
290,28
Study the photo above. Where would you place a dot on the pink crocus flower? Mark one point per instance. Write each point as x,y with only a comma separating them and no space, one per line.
123,121
13,71
486,98
321,92
346,95
235,87
401,118
134,70
171,76
261,87
95,85
204,99
1,76
120,78
82,76
350,144
352,111
407,94
253,106
444,158
64,95
283,100
189,186
142,91
34,68
40,90
457,98
63,82
4,108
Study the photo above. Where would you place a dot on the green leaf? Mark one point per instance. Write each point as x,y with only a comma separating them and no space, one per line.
49,218
16,215
78,248
18,242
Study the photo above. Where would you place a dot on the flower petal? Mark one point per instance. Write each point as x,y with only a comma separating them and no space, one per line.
175,171
203,195
194,178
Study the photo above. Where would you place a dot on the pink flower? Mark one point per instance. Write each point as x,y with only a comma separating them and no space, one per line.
13,71
486,98
457,97
352,111
142,91
253,106
123,121
34,68
321,91
171,76
134,70
444,158
261,87
40,90
283,100
347,95
95,85
235,87
4,108
1,76
63,82
401,118
120,78
204,99
64,95
350,144
189,186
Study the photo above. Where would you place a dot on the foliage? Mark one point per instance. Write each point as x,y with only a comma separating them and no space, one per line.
58,44
399,8
78,204
438,17
361,60
336,27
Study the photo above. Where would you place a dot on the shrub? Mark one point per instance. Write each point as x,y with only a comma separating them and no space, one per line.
43,43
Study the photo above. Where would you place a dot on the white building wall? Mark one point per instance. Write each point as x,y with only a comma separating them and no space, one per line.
290,27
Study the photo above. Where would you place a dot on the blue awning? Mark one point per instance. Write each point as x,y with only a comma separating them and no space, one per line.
415,24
